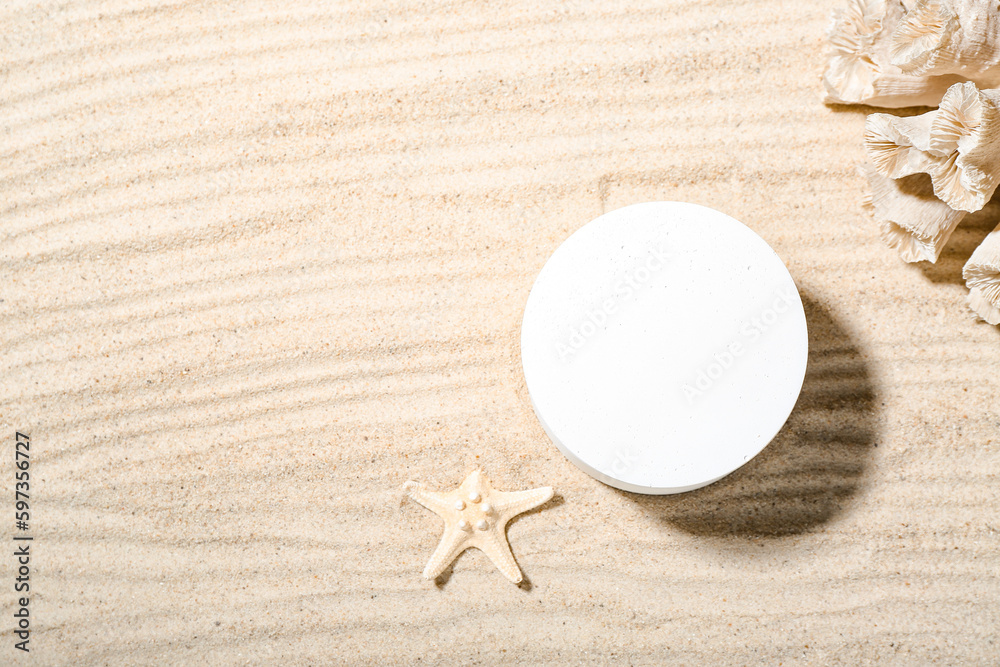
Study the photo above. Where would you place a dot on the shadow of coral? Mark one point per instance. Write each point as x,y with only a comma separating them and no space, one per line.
813,466
866,110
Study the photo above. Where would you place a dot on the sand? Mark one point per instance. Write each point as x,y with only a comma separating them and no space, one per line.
263,264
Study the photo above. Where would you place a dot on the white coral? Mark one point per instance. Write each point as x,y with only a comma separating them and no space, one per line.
859,70
940,37
982,277
958,145
926,172
911,219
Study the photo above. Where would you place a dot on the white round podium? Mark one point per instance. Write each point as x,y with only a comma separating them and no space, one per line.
663,345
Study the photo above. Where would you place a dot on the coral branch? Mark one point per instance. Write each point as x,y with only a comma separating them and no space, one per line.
958,145
859,70
940,37
982,277
911,219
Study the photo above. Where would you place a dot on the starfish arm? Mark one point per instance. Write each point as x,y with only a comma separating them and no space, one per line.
453,542
439,503
511,503
494,544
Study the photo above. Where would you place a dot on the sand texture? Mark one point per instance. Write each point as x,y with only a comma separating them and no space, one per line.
261,263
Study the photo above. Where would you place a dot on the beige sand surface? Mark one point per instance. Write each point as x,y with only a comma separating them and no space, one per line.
264,262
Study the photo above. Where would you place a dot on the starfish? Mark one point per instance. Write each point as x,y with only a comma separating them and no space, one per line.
476,515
